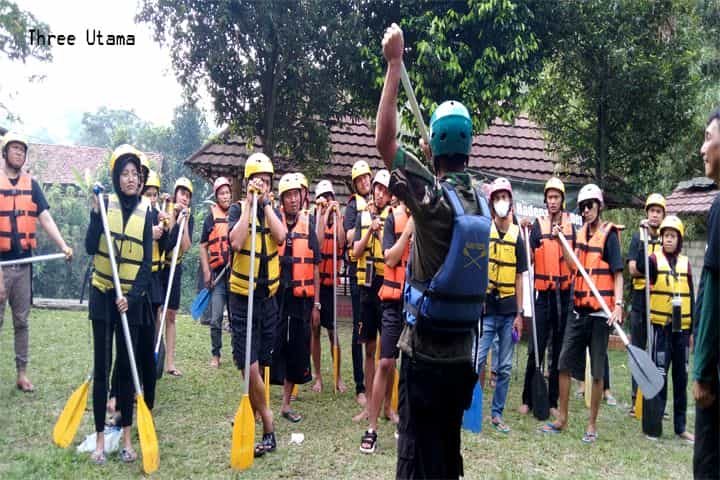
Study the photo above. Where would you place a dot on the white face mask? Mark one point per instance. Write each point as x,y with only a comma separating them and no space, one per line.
502,207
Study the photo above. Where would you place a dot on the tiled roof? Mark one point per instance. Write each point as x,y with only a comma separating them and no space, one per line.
515,150
52,164
692,197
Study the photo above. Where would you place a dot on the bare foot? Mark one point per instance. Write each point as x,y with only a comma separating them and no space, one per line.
317,386
215,362
524,409
392,417
555,412
361,399
360,416
341,386
688,437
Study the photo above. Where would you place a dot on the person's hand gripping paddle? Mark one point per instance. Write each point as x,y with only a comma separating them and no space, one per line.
146,427
539,389
642,368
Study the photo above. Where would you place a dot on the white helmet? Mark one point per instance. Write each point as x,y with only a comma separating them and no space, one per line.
590,192
382,177
323,187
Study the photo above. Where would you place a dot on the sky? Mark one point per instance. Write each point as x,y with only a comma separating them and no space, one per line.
82,78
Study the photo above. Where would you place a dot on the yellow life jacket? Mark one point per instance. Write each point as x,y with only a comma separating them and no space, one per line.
169,253
373,250
266,250
654,245
666,287
360,206
128,247
503,261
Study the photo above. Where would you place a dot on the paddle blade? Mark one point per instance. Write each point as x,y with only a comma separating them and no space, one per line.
267,386
540,400
200,303
69,419
395,397
148,437
644,371
243,436
472,419
653,410
336,368
588,380
295,391
639,405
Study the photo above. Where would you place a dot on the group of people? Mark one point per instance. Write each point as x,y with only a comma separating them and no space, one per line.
461,247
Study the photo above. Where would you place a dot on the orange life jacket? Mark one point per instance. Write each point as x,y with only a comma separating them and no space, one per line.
326,254
550,267
218,243
394,278
590,253
303,261
17,200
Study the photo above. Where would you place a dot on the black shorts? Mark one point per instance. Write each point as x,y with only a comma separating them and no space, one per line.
392,326
326,312
291,352
370,311
157,289
174,302
583,331
265,318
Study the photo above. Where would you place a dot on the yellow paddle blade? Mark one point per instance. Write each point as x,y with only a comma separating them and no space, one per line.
638,404
69,420
148,437
395,397
588,380
267,386
243,436
336,370
295,390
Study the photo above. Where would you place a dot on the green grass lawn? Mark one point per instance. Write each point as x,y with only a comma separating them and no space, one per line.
193,414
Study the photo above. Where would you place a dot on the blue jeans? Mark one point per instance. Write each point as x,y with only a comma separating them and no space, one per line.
500,325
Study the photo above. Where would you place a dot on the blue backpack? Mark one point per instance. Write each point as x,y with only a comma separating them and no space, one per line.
452,300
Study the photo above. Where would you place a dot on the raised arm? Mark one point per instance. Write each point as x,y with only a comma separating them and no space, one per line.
386,122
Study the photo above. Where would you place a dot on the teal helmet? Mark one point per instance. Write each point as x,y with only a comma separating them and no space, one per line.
450,129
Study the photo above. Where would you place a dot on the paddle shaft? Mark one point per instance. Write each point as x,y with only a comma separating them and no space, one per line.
594,289
35,259
531,278
173,264
118,290
648,326
334,280
413,103
251,293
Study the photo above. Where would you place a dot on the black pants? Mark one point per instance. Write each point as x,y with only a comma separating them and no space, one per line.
550,327
357,350
638,332
673,350
432,399
706,458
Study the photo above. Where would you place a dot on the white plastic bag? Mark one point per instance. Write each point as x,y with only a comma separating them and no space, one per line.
112,441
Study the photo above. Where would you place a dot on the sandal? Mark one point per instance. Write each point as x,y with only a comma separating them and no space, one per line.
550,428
590,437
292,416
368,442
266,445
500,426
128,456
98,458
174,372
610,400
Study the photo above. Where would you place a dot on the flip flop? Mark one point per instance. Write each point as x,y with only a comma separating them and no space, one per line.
501,427
589,437
174,372
291,416
98,458
550,428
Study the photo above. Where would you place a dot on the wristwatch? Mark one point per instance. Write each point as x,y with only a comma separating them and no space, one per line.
318,305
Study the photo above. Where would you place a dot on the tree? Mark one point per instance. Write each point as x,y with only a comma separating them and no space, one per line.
619,85
110,128
274,68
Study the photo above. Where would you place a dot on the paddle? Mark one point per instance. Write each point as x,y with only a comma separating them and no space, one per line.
69,419
173,264
243,436
642,368
587,384
539,389
648,326
651,409
34,259
202,299
413,103
146,427
335,352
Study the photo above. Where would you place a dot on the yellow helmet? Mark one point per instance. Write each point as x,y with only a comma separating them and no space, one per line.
556,184
671,221
302,179
183,182
258,163
13,137
289,181
360,168
655,199
123,150
153,180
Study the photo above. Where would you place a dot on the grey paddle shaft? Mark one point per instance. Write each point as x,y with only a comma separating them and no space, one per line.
118,289
219,276
171,276
413,103
251,293
648,326
594,289
531,278
334,280
35,259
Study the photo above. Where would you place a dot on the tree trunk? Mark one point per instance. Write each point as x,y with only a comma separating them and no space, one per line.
602,146
269,89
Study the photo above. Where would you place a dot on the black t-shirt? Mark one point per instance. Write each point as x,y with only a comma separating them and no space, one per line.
38,197
508,305
349,220
389,237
